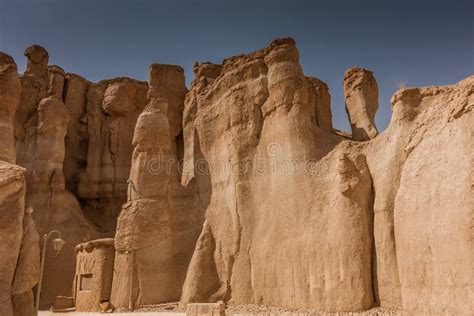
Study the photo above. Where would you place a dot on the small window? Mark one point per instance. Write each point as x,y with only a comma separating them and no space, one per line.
86,282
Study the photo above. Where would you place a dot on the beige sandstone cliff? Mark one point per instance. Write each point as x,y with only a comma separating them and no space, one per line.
12,206
239,189
98,172
284,191
158,226
19,246
40,128
300,217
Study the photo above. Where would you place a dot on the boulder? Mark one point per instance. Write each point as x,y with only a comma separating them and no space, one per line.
118,99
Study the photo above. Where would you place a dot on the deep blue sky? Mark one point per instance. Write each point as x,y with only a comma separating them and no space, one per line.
404,42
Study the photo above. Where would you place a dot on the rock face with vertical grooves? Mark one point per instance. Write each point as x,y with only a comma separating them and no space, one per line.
433,205
257,125
19,246
270,235
40,129
12,211
104,129
10,91
238,190
160,223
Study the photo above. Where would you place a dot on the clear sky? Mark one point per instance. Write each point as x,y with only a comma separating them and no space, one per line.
404,42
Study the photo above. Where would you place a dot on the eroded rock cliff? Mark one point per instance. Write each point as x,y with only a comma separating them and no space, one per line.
257,125
105,129
159,225
12,206
239,189
302,217
19,246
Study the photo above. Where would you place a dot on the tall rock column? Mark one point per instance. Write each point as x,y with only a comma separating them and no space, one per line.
40,128
433,206
34,87
361,93
322,104
10,90
56,80
144,223
12,188
19,246
12,205
27,268
55,207
385,171
158,227
76,142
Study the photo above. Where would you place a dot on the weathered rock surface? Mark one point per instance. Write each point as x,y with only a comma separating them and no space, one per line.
106,128
10,90
38,59
422,203
27,268
433,207
19,247
361,93
76,142
256,115
160,223
56,80
40,129
12,210
258,129
55,207
323,104
270,204
75,139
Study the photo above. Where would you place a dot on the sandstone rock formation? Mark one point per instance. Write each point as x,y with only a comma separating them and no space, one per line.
99,167
19,247
41,126
10,90
433,205
12,206
264,228
27,268
75,139
160,223
323,104
76,142
263,109
38,59
238,190
361,93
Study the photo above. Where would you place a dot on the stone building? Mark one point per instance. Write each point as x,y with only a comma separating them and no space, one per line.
94,271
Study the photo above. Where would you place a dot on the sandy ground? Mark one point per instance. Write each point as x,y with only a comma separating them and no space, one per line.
123,314
171,309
